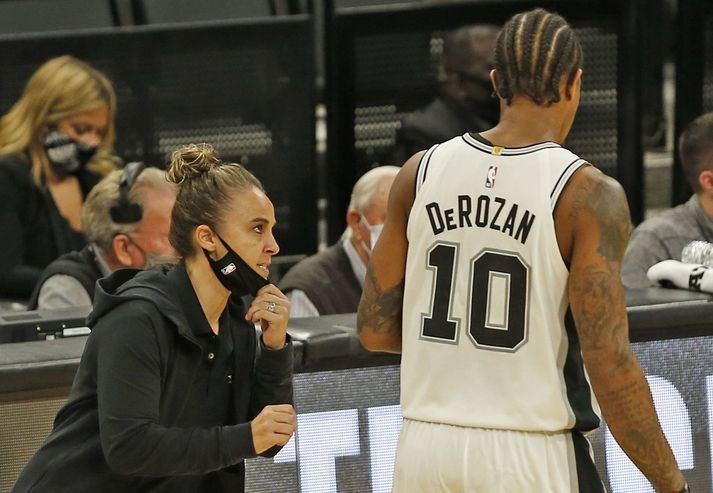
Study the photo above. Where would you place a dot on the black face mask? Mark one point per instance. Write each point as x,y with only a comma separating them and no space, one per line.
66,155
235,274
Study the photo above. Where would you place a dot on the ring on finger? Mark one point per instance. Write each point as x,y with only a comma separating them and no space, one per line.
271,306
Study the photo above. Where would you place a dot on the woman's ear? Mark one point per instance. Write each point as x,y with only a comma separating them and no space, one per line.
205,238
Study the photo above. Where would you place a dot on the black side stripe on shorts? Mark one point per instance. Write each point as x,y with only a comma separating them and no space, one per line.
579,392
588,478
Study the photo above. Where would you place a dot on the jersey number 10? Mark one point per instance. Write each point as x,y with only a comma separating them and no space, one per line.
497,298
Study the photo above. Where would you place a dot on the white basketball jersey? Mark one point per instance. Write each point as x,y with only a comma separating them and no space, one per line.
488,340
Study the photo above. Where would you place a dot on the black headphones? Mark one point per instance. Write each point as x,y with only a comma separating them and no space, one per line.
124,211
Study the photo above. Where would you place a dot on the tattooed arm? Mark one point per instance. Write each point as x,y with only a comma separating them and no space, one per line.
379,315
593,227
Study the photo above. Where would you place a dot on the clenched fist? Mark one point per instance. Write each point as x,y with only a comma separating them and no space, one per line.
273,426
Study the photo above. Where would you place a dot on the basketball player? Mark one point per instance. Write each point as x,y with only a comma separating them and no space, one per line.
497,278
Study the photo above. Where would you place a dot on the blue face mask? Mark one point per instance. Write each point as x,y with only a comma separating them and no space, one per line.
374,232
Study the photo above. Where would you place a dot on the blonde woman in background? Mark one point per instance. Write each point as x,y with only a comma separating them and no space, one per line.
55,145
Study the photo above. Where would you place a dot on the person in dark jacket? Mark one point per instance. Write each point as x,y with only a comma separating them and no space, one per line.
117,238
464,102
175,389
331,281
55,145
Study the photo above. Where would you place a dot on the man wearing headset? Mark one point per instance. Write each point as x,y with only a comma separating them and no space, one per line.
126,219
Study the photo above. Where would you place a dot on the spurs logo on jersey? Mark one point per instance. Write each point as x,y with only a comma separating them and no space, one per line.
488,340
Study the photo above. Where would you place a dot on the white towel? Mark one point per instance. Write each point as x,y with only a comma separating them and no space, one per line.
695,277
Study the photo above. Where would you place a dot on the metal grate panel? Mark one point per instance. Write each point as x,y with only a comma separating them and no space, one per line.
245,87
25,425
395,74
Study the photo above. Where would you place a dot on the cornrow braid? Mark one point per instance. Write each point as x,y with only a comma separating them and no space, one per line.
535,50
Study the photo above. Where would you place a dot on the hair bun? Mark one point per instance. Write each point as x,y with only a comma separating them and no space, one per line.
191,161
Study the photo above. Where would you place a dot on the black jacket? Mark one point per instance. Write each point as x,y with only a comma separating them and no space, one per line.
132,422
81,265
438,122
34,232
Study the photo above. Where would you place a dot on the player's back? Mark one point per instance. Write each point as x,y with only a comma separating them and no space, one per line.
488,340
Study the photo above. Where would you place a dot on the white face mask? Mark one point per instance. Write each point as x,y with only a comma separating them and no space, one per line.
374,232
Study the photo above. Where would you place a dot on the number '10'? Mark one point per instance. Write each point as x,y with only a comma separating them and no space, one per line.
497,303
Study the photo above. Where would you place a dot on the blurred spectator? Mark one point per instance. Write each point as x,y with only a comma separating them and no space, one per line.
464,103
664,236
331,281
117,240
55,145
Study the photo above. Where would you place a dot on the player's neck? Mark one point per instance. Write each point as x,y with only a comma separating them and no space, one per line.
524,122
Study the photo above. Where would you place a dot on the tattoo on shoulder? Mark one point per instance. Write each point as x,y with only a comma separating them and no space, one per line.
380,309
604,202
615,223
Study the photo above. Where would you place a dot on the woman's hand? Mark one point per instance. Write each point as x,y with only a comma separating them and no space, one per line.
272,309
273,426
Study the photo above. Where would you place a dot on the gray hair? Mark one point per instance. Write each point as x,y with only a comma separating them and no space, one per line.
366,186
97,224
365,190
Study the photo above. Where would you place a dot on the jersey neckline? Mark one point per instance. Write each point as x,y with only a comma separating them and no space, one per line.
481,143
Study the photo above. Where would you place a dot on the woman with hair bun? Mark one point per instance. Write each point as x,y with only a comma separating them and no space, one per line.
55,145
175,388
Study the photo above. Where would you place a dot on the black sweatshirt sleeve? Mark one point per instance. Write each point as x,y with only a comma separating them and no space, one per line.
129,393
272,383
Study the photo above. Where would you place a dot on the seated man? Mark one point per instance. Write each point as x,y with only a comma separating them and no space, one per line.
331,281
664,236
126,219
464,103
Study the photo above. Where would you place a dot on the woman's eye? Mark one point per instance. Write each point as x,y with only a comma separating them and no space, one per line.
81,129
258,229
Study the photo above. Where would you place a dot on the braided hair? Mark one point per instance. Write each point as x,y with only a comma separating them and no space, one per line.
534,51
